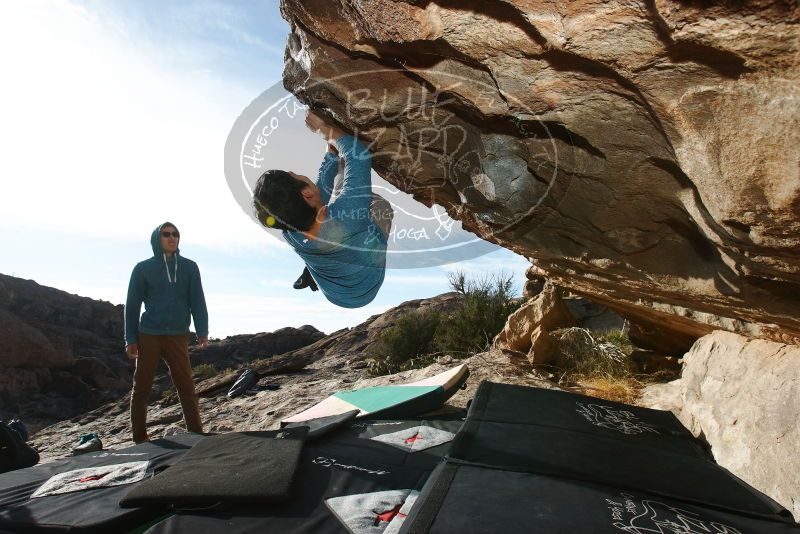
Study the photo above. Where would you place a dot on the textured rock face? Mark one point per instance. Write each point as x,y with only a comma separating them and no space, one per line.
25,345
644,154
60,354
744,397
528,329
242,348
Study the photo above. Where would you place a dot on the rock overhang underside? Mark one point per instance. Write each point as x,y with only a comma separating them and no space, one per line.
643,154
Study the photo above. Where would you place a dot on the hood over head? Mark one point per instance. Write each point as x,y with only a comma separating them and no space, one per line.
155,239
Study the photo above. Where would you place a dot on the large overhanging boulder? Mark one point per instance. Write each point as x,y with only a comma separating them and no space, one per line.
643,154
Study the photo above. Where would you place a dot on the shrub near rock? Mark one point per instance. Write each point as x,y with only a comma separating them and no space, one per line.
577,351
471,328
418,338
203,371
602,364
405,345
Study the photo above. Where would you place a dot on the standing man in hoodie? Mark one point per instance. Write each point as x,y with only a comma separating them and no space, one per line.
170,287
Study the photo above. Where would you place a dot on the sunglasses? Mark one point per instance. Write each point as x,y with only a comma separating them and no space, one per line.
172,234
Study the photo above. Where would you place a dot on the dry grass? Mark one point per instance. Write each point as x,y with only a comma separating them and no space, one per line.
581,354
624,389
599,365
617,338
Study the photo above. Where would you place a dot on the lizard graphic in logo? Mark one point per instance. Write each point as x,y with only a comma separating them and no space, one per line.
653,517
620,420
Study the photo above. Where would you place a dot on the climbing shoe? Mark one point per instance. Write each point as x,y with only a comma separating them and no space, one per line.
87,443
305,281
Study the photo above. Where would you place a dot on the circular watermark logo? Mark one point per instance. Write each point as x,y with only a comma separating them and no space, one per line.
463,147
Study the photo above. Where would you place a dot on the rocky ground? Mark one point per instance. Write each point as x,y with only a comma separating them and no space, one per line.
304,376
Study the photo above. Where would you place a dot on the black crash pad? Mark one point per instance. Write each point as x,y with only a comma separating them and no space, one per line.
471,500
239,467
92,510
340,478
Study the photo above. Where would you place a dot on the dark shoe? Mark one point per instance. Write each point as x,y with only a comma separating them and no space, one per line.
87,443
305,281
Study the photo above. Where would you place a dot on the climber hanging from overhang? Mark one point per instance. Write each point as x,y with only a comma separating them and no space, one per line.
337,225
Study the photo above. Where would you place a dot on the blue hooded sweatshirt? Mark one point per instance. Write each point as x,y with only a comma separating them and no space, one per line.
171,291
348,258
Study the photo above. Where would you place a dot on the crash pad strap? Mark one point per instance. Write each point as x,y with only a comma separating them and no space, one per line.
431,499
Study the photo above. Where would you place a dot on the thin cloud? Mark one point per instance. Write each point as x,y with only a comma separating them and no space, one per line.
115,119
97,130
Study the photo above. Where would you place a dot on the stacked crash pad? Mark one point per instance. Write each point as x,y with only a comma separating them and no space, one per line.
355,476
268,471
361,478
82,493
534,460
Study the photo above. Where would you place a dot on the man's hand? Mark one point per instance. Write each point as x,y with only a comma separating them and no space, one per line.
202,341
327,130
132,351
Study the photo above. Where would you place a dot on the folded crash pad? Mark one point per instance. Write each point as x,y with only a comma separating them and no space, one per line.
633,425
400,401
525,461
595,453
88,506
324,425
240,467
357,479
471,499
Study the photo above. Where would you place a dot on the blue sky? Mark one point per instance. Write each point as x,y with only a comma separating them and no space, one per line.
115,115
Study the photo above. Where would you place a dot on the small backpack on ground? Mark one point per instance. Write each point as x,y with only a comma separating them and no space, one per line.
246,380
19,427
14,452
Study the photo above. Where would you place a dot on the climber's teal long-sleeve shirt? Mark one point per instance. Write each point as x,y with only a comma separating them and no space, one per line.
171,291
348,257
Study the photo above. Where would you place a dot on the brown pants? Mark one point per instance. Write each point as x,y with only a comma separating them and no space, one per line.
175,352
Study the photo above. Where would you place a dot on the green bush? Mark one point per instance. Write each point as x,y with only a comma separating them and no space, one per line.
169,395
418,337
204,370
405,345
471,328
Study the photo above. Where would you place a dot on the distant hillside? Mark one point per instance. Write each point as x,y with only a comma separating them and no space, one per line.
62,354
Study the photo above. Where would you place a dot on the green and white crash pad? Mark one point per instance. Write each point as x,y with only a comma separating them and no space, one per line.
396,401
